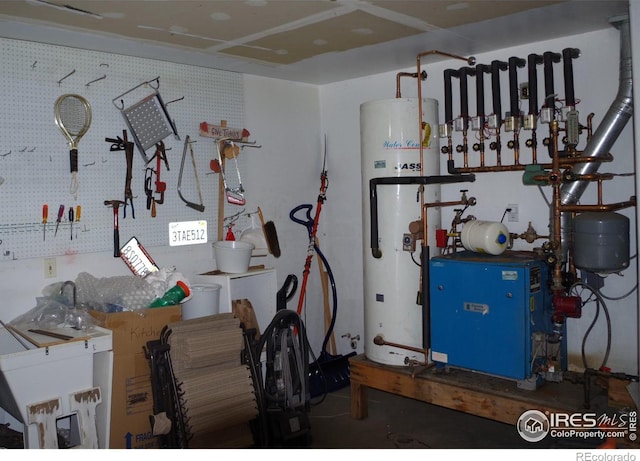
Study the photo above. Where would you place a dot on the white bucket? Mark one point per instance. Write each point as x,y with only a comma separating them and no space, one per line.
232,256
204,300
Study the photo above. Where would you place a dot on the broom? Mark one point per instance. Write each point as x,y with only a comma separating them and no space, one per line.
270,234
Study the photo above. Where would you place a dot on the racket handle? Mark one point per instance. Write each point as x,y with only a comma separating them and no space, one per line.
73,160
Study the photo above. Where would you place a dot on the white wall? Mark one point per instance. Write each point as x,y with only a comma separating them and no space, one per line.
596,83
289,121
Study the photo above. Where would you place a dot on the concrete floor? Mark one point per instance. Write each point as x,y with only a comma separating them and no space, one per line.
397,422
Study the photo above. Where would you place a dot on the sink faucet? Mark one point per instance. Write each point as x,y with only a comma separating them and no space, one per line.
64,285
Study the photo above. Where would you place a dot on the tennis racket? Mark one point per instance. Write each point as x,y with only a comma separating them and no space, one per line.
73,117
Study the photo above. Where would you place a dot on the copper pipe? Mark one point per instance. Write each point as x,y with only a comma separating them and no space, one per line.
498,148
449,148
600,207
481,146
423,76
378,340
516,147
534,147
471,61
465,149
554,178
465,201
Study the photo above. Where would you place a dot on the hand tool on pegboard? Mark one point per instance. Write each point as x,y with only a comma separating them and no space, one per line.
78,214
115,204
118,144
71,219
45,218
196,206
148,191
148,119
60,213
160,156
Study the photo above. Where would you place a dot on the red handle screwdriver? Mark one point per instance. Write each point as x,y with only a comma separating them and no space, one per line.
60,213
45,218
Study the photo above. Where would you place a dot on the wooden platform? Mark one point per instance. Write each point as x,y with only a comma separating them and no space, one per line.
474,393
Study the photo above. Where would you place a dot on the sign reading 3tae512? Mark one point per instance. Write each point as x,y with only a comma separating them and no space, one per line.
187,233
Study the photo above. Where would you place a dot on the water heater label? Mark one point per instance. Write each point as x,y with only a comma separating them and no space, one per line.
477,307
509,275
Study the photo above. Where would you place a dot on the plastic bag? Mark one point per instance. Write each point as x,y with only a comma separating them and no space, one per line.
50,313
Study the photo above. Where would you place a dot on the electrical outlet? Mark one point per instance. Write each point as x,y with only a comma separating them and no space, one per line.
512,216
49,268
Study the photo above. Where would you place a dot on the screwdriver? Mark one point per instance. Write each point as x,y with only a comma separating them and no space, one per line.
78,213
71,220
45,218
60,213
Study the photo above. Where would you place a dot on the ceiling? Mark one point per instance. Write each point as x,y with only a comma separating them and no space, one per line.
311,41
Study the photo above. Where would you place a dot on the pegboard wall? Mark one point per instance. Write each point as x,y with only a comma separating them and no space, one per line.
34,154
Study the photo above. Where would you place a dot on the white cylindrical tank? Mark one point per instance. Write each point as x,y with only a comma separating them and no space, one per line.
390,143
485,237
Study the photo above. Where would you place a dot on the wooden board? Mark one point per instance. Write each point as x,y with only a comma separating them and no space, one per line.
474,393
41,340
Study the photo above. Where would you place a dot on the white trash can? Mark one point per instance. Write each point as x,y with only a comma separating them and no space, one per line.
204,300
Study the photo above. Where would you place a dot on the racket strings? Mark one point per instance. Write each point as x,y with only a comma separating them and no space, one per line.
73,115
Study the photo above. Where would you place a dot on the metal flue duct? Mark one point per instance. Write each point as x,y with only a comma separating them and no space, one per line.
607,133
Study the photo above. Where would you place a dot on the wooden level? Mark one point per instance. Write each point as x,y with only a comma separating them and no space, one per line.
474,393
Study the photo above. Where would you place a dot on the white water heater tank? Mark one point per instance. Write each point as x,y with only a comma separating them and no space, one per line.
390,147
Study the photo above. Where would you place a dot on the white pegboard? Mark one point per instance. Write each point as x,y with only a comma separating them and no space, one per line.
34,155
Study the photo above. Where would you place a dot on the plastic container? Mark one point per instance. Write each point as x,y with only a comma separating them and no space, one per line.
205,300
232,257
485,237
172,296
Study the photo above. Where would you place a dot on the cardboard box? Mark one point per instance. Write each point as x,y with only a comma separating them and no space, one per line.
132,399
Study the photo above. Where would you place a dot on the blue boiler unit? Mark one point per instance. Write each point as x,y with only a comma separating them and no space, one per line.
492,314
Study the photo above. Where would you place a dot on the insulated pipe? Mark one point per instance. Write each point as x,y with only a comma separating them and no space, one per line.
496,67
481,69
403,180
514,64
448,95
463,72
568,55
532,63
549,59
607,133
